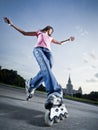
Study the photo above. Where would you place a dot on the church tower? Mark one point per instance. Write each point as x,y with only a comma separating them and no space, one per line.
69,87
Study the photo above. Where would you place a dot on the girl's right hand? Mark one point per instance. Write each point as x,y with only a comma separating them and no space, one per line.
8,21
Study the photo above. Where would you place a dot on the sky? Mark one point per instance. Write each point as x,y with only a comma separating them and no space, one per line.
78,18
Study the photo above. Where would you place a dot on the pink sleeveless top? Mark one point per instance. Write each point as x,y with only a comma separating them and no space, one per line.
43,40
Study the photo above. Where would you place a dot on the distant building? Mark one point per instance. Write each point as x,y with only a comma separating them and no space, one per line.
69,89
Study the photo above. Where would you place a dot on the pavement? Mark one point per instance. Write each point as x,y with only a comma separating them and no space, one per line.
18,114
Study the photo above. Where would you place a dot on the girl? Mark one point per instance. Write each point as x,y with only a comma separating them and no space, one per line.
42,53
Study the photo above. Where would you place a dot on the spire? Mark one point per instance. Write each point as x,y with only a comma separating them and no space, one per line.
69,80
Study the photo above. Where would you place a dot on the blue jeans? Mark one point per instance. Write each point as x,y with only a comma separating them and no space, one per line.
45,62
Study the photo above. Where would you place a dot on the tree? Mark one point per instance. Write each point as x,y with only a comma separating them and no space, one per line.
11,77
41,88
91,96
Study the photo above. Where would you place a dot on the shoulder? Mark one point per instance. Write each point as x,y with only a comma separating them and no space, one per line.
38,32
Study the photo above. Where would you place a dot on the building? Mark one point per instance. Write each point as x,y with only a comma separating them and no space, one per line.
69,89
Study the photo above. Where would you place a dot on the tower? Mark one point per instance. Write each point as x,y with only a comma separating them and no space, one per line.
80,90
69,87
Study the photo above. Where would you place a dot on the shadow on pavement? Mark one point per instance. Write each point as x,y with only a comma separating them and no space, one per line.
32,117
13,98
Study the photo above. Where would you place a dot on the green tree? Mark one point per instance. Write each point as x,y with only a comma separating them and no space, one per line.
11,77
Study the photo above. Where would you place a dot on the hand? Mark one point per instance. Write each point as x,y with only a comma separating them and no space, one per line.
72,38
8,21
69,39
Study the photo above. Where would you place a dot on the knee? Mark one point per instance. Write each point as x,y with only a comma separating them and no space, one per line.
35,52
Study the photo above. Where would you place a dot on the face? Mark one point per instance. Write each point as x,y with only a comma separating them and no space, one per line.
50,31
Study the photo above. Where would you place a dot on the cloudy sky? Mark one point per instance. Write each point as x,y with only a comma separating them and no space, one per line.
77,18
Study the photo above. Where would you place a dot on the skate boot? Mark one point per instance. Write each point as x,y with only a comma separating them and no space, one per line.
55,109
54,99
29,90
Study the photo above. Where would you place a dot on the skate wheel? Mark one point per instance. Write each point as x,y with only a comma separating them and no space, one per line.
62,117
56,119
65,115
29,97
48,121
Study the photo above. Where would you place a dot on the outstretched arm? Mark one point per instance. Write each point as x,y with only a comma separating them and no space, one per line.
60,42
8,21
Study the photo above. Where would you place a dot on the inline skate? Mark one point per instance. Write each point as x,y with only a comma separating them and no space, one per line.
55,109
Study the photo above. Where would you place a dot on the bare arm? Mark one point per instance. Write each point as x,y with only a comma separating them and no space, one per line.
8,21
60,42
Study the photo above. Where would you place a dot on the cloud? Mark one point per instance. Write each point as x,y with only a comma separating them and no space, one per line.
85,60
93,66
91,80
96,75
69,69
91,58
92,55
85,57
81,30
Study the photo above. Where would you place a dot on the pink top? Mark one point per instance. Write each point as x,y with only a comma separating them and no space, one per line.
44,40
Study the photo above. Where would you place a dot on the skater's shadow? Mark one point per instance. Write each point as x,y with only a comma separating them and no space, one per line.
24,115
12,98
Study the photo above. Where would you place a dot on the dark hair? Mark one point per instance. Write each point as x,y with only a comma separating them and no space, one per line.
47,28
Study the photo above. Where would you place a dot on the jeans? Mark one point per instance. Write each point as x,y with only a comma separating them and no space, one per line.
45,62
